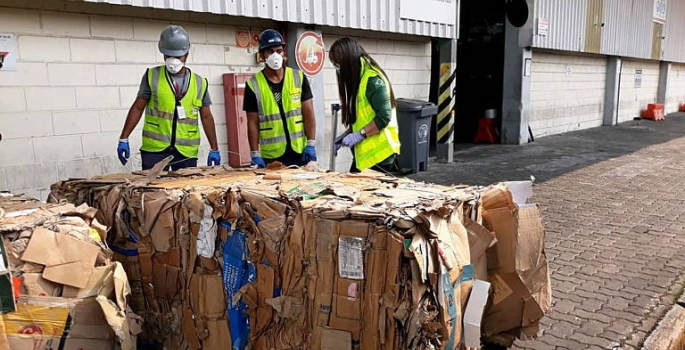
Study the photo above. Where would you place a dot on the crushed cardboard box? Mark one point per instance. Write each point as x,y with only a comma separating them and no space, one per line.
300,259
517,267
60,267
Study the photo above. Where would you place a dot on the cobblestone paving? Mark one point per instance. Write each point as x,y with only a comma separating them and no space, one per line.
613,200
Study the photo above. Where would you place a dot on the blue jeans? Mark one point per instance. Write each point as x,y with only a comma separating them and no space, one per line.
179,162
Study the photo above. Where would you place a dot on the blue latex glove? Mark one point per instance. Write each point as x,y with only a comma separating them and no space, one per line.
352,139
214,158
123,151
259,162
309,154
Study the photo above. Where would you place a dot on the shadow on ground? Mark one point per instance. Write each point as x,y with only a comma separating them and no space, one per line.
551,156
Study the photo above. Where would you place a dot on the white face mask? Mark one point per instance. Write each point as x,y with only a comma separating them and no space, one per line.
275,61
173,65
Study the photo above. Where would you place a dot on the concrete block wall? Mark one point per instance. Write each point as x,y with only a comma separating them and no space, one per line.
408,65
77,75
675,96
567,92
632,100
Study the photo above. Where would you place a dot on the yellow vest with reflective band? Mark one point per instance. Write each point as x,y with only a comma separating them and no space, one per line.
159,114
272,138
377,148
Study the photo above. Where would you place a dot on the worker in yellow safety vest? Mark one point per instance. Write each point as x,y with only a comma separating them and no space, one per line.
280,110
368,108
174,100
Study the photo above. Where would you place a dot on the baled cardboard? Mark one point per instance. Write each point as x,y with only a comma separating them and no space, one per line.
327,277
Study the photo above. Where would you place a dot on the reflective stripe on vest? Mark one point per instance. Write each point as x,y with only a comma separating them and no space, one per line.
377,148
160,111
272,138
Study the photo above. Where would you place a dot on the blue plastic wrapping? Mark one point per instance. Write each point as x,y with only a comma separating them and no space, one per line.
237,272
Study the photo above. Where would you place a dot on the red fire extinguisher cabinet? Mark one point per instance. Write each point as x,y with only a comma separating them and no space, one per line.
236,120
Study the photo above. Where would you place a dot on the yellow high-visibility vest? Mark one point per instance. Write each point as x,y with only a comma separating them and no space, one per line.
377,148
272,138
159,114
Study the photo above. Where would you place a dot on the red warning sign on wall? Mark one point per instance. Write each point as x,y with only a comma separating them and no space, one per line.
310,53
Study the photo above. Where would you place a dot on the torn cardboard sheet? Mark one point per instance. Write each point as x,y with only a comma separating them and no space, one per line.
517,265
67,260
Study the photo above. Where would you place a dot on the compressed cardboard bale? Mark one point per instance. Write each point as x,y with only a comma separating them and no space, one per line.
308,259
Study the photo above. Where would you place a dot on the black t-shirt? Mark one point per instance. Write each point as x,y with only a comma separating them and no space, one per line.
250,105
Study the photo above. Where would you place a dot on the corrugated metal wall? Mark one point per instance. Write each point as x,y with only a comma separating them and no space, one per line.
628,28
378,15
674,31
627,31
566,24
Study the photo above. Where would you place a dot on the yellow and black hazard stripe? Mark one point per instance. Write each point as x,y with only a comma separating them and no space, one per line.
445,129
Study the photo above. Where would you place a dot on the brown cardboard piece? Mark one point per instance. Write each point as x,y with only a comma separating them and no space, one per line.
336,340
391,294
376,259
210,329
101,282
325,250
480,239
67,260
33,284
166,272
519,274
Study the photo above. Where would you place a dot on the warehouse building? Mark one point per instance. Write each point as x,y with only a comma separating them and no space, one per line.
574,64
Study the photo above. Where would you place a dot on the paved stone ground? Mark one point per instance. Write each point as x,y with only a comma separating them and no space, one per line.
613,200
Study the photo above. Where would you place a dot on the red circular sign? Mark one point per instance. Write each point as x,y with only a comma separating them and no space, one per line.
310,53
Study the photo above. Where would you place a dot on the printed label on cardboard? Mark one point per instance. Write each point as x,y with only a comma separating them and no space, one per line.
351,257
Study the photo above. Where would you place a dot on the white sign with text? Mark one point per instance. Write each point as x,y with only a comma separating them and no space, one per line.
436,11
660,10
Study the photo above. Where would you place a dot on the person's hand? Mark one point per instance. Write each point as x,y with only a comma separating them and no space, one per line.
123,151
309,154
257,159
259,162
214,158
352,139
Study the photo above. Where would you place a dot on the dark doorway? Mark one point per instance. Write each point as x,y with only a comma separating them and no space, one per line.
480,65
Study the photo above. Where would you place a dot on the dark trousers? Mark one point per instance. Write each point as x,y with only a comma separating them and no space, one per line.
179,162
289,158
